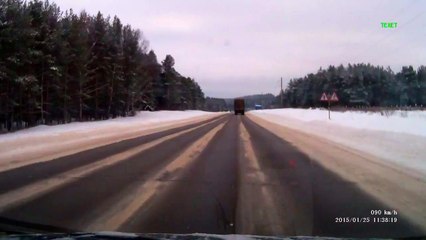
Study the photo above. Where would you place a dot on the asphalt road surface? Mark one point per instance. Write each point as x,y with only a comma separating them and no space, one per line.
225,175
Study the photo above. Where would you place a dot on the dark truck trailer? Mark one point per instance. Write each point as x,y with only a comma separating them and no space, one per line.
239,106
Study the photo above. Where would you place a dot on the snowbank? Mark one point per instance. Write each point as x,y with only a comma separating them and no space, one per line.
142,119
399,139
45,142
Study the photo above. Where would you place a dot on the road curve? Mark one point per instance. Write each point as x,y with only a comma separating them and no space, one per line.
226,175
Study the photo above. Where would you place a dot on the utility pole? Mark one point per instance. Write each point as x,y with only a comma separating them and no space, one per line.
281,93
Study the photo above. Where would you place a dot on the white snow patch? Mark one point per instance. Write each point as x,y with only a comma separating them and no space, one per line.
399,138
142,119
44,141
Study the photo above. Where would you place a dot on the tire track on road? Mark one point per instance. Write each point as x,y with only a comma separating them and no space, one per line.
31,191
21,176
79,200
116,216
257,210
202,198
289,176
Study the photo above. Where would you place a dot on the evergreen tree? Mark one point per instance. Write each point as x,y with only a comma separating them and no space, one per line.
57,67
358,85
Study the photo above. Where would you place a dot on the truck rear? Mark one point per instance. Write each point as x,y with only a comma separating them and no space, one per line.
239,106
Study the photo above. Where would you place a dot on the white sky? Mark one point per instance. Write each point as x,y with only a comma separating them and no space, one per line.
240,47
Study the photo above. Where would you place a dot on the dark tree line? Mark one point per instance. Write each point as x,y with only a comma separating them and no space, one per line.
57,67
359,85
215,104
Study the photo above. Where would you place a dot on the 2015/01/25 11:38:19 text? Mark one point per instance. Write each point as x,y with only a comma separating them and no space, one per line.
366,220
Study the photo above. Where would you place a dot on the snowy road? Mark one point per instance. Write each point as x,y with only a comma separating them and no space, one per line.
227,174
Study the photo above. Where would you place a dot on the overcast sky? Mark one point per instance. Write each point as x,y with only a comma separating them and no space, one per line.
241,47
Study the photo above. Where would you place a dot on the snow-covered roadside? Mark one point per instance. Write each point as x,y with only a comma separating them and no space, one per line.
46,142
399,139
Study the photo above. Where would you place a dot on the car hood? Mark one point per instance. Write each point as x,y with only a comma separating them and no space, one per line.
154,236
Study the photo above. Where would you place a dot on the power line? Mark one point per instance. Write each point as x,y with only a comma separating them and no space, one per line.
400,12
401,26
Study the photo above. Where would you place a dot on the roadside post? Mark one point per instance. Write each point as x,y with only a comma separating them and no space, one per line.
329,98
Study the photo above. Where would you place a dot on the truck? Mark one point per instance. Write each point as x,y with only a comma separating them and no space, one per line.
239,106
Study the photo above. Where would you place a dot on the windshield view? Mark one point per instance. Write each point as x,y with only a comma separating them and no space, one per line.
212,119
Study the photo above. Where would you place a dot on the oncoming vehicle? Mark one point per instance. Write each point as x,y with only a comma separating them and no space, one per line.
239,106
